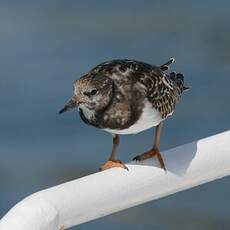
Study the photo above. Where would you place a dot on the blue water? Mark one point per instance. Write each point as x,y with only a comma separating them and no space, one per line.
45,46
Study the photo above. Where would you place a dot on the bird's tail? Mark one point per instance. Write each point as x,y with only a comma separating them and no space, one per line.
166,65
178,78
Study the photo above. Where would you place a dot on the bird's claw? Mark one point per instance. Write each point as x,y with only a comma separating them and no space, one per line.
149,154
137,158
113,164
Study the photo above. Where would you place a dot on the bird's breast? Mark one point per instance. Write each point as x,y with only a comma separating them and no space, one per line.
149,117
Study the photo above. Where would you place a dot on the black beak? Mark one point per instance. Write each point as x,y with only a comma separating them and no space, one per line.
69,105
63,110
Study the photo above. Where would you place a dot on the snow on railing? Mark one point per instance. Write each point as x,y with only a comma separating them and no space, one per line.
106,192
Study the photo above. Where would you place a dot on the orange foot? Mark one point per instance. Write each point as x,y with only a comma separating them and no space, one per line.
151,153
113,164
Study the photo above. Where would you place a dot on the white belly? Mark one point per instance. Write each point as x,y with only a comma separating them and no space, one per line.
150,117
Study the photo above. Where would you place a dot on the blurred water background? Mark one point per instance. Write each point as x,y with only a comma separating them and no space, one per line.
46,45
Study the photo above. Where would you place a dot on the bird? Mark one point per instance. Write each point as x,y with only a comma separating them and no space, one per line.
125,96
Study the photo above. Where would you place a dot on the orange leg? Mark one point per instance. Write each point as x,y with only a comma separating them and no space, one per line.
155,150
112,162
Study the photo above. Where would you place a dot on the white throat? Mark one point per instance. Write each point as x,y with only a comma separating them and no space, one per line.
89,114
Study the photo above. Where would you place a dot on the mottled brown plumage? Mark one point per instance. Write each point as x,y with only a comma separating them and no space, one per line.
127,96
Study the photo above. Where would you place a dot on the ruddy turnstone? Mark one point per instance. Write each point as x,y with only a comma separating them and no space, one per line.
127,97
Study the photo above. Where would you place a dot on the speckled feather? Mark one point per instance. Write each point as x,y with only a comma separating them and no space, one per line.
124,86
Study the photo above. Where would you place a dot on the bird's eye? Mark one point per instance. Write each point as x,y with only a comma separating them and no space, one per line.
90,93
93,92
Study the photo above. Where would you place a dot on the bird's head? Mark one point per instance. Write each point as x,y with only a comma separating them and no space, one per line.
93,93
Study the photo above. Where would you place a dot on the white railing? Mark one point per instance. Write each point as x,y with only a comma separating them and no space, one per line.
106,192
